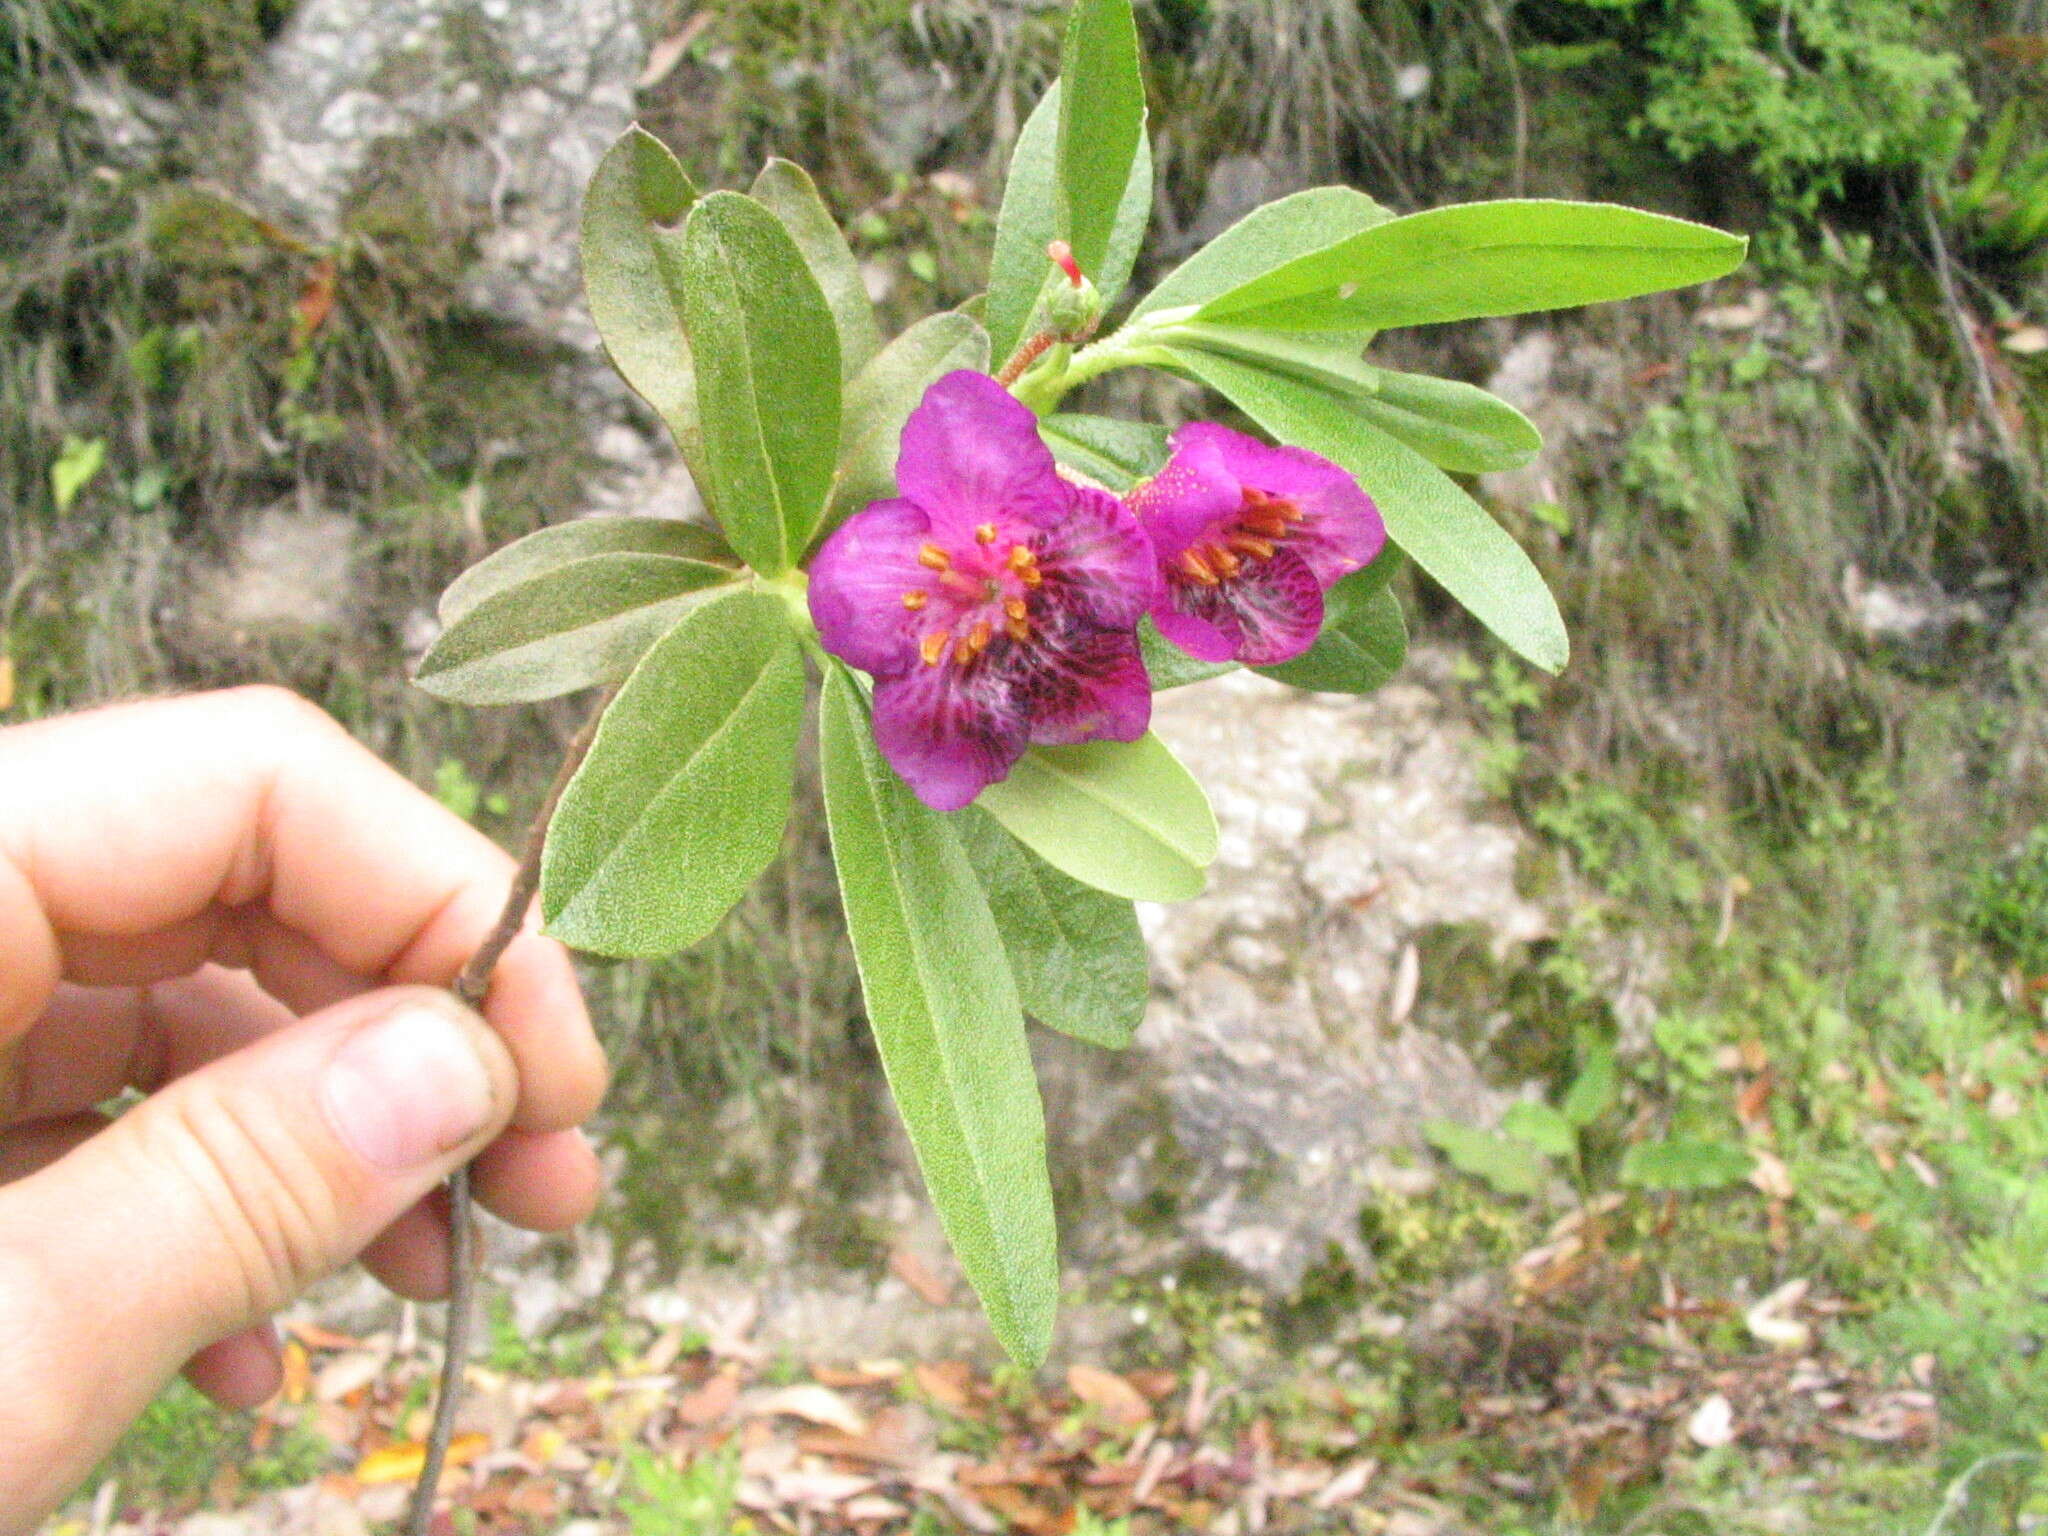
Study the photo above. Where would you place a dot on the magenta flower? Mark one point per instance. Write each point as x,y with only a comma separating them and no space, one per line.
1249,538
994,602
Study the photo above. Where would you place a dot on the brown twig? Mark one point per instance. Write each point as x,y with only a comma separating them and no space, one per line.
470,988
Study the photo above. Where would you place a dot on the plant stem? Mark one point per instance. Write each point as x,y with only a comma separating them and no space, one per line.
470,989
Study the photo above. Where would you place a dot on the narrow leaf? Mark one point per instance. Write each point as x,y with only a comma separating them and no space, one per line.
1434,522
1458,427
787,191
572,626
1475,259
767,355
1595,1090
1263,239
681,803
1076,952
1510,1167
1102,123
632,277
550,548
1124,817
948,1025
1541,1127
880,401
1113,452
1028,220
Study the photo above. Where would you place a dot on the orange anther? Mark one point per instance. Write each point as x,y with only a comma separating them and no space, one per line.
1196,569
1247,544
933,558
934,646
914,600
1224,561
984,533
1016,608
1020,629
977,639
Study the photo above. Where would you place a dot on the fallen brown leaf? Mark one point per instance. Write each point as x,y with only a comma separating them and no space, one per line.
710,1402
1114,1399
929,1287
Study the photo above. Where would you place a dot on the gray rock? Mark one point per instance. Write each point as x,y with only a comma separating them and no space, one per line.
1290,1080
519,99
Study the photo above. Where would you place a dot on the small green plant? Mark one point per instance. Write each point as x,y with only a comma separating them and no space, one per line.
2010,909
660,1498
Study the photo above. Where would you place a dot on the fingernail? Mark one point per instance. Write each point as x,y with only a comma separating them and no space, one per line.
407,1089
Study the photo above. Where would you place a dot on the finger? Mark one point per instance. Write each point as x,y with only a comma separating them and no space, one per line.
214,1202
545,1183
254,796
285,964
27,1149
240,1371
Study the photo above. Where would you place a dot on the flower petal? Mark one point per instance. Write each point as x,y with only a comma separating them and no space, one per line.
1340,530
1093,690
1270,613
1191,495
950,733
1097,561
971,454
858,579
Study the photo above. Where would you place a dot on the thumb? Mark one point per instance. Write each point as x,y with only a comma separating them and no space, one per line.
213,1202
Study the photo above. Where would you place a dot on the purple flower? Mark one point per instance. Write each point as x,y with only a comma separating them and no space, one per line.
1249,538
994,603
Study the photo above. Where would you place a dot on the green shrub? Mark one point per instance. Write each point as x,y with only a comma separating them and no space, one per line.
2011,908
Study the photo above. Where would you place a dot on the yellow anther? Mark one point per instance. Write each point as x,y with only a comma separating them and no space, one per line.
934,646
1016,608
977,639
933,558
1020,629
985,533
914,600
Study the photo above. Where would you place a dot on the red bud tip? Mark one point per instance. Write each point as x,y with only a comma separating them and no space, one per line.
1063,255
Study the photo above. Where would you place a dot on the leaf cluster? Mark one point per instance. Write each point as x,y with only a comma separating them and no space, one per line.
742,320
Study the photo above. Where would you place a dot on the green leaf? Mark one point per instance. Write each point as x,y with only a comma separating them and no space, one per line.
72,470
1509,1167
569,627
879,401
1458,427
1028,220
787,191
1541,1127
1113,452
632,277
1263,239
1171,667
681,803
1685,1162
1363,643
948,1024
1076,952
767,356
1102,124
551,548
1124,817
1428,516
1476,259
1594,1091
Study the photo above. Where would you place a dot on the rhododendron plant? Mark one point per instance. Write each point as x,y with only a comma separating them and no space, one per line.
987,585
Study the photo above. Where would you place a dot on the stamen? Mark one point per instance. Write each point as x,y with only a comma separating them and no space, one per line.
1019,629
1025,564
1225,561
933,558
964,584
977,639
914,600
984,533
1017,609
1197,569
1247,544
934,646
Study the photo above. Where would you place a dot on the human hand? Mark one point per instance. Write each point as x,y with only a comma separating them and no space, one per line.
225,902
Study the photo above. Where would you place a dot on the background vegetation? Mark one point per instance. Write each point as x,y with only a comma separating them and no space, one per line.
1798,834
